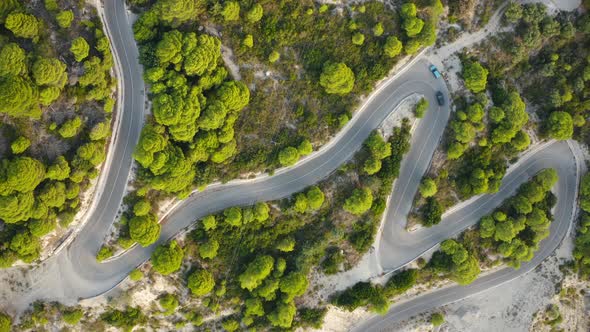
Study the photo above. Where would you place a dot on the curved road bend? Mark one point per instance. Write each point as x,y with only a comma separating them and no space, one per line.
395,246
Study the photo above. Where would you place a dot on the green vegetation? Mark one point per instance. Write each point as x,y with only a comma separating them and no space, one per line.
338,78
168,302
126,319
437,319
582,242
72,317
201,282
136,275
167,258
49,106
5,322
359,202
475,76
545,58
421,107
104,253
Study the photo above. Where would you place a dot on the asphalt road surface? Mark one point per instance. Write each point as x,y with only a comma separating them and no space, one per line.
74,273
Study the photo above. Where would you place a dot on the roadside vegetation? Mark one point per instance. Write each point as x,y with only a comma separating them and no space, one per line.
297,67
56,103
582,242
510,235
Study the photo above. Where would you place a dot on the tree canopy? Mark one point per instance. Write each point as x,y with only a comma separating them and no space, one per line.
560,125
167,258
475,76
337,78
359,202
201,282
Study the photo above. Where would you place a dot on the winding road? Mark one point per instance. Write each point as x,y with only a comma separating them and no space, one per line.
73,273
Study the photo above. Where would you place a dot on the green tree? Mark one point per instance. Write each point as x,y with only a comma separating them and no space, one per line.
169,48
372,165
5,322
231,11
400,282
521,141
288,156
48,95
255,13
53,194
167,258
169,302
65,18
50,71
413,26
201,282
70,128
135,275
377,146
428,187
292,285
142,207
437,319
209,222
178,11
248,41
256,272
100,131
20,145
22,25
209,249
80,49
12,60
261,211
300,204
431,212
253,307
360,201
358,39
283,315
315,198
513,12
392,47
475,76
378,29
22,174
144,229
26,246
230,324
305,148
72,316
233,216
560,125
18,97
104,253
421,107
337,78
274,56
60,170
234,95
124,319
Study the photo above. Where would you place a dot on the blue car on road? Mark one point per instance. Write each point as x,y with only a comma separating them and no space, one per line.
435,71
